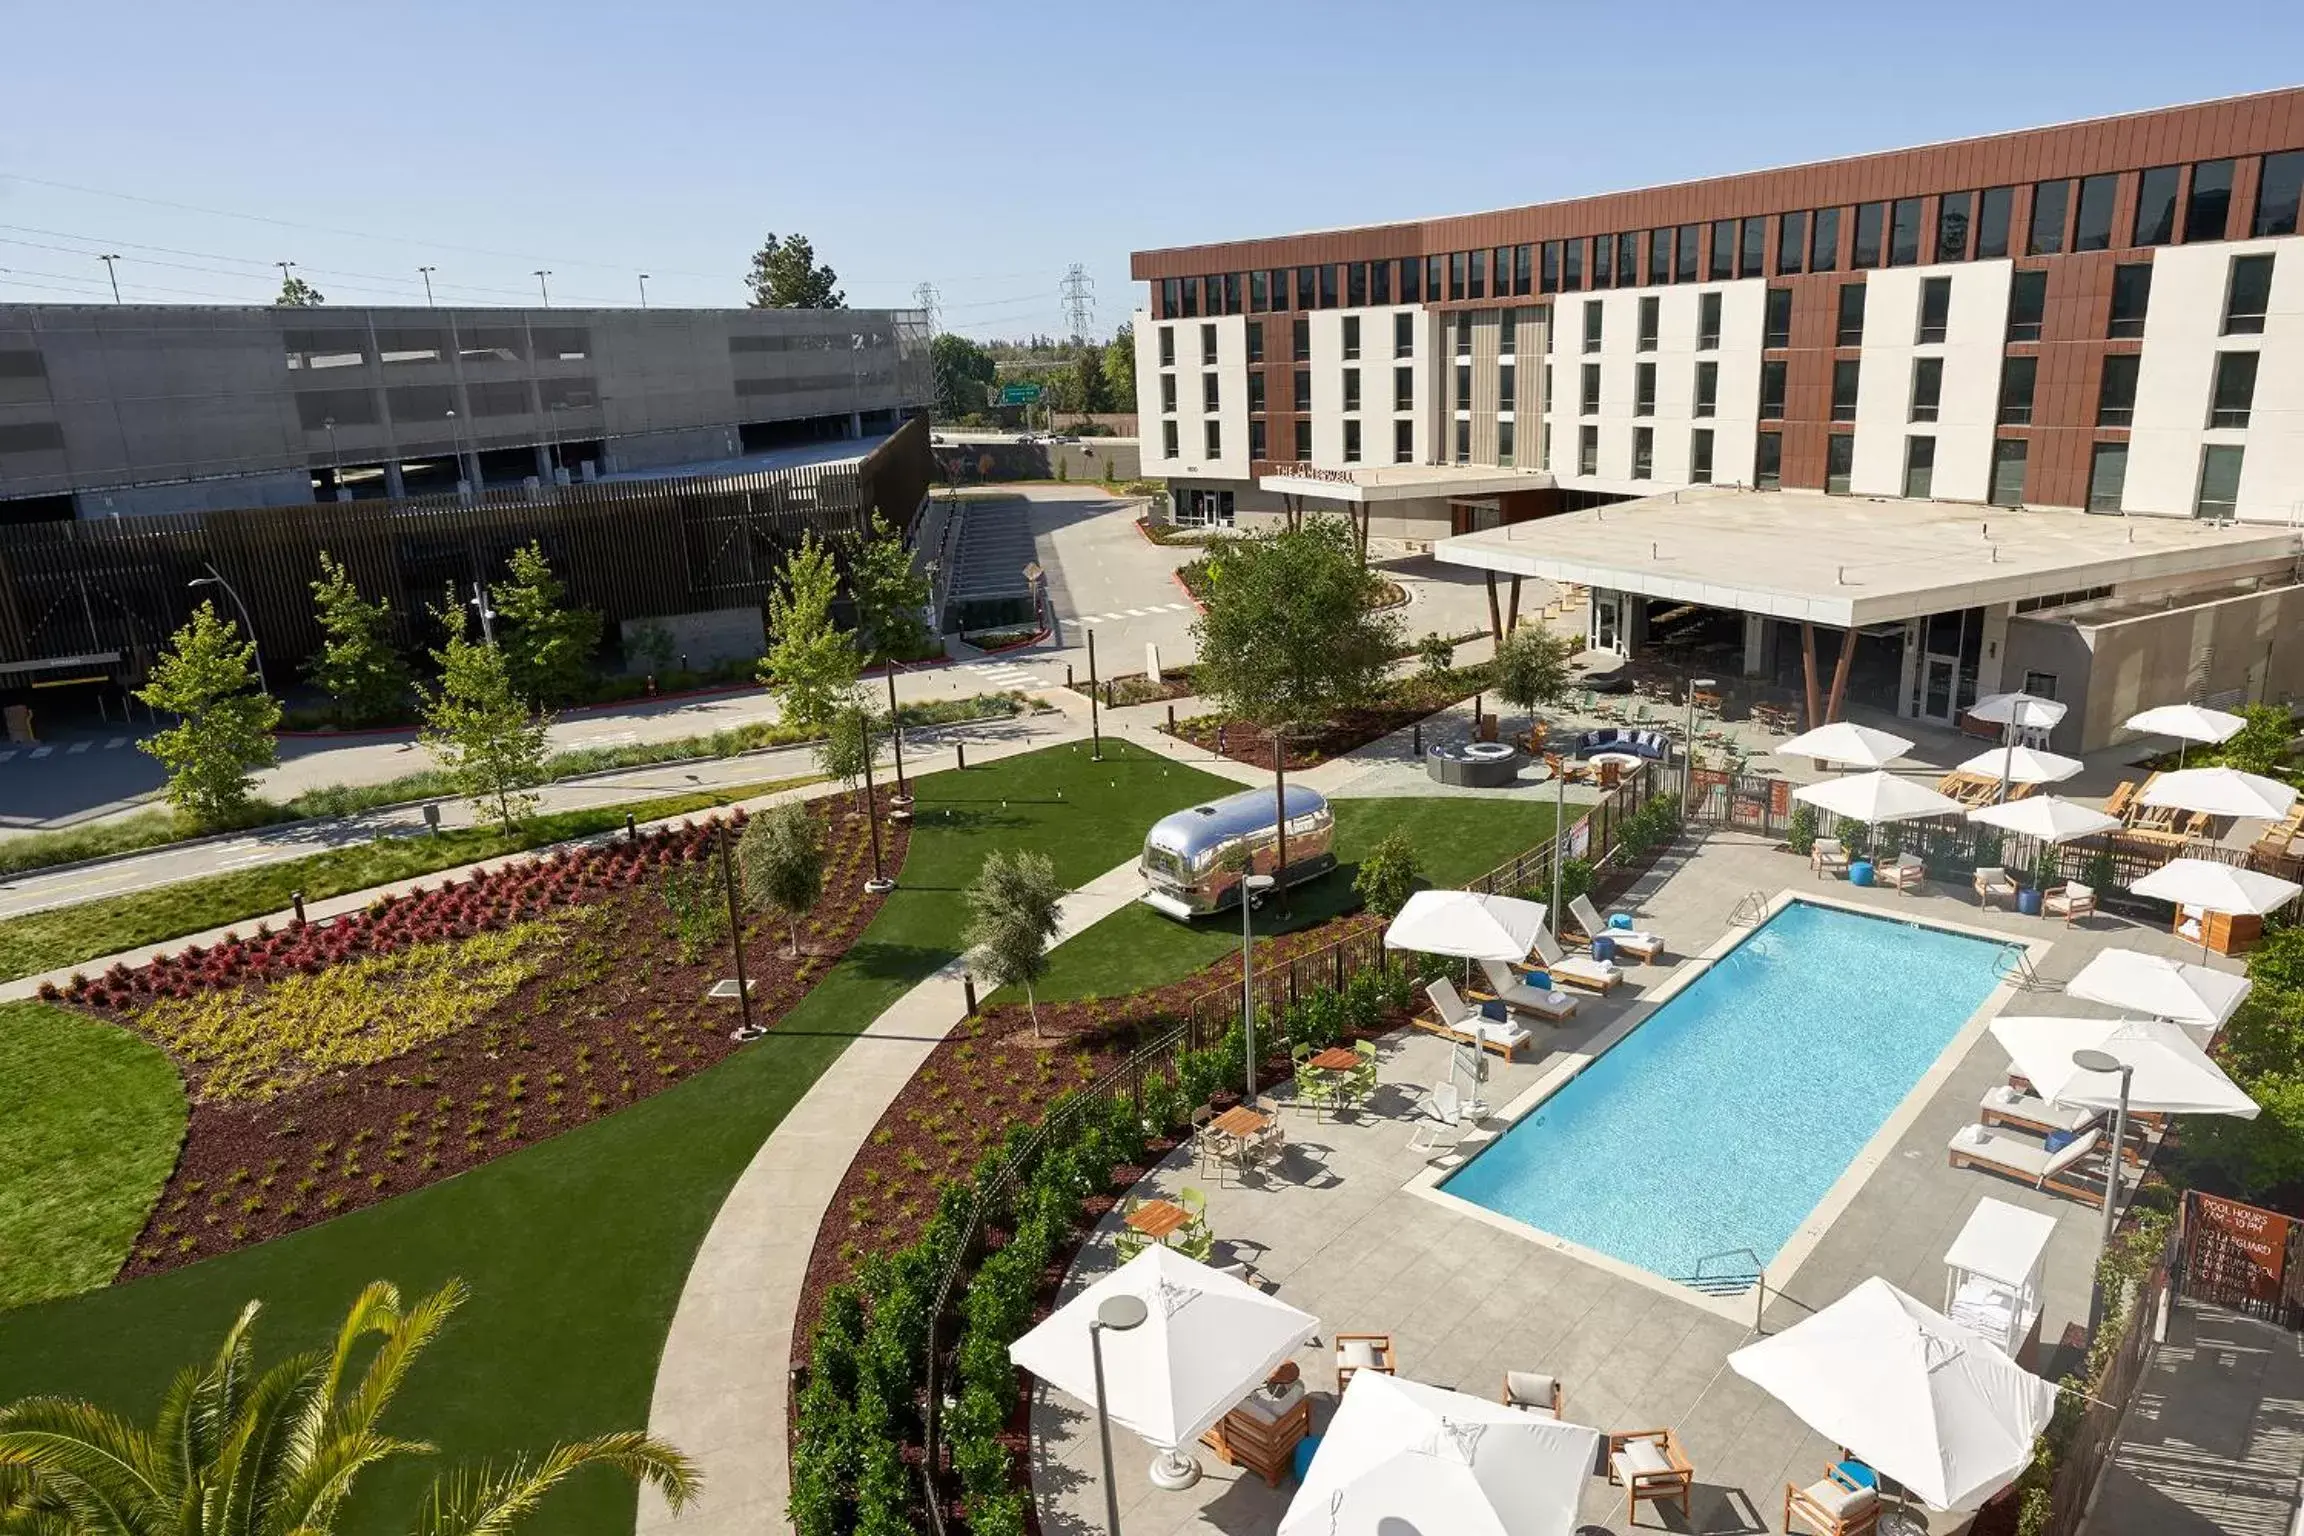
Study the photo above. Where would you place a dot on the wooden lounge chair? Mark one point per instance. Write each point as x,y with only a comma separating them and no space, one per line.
1827,856
2002,1105
2027,1161
1636,941
1458,1021
1649,1464
1576,970
1553,1007
1993,884
1356,1352
2070,902
1833,1506
1532,1392
1906,872
2121,799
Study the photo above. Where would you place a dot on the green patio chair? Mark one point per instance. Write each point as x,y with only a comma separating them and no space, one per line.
1196,1242
1193,1200
1315,1091
1130,1243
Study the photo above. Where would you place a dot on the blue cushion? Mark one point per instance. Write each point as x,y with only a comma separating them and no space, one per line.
1540,980
2056,1141
1619,920
1856,1475
1496,1011
1603,948
1306,1449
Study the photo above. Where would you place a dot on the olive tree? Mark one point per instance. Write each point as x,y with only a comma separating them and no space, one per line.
781,855
1012,920
1532,667
1291,634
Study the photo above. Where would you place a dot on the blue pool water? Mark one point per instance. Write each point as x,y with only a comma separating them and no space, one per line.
1723,1119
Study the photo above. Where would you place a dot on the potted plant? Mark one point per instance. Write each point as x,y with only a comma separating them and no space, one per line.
2044,873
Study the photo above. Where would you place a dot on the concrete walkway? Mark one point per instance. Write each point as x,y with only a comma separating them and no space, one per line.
721,1386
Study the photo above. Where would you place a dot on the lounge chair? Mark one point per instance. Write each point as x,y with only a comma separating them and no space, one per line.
1577,970
2069,902
1832,1506
1649,1464
1363,1352
1637,941
1993,884
2003,1105
2122,799
1458,1021
1552,1007
1827,856
1446,1130
1907,872
2026,1160
1532,1392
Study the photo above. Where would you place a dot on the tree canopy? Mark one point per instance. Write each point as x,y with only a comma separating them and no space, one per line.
548,646
295,293
1532,666
224,721
482,734
1119,364
812,662
890,591
1013,918
1291,635
782,857
356,664
786,275
963,372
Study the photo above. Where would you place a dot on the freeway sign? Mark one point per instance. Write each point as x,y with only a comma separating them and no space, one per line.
1019,394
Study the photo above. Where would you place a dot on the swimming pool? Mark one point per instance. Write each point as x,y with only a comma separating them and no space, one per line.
1720,1121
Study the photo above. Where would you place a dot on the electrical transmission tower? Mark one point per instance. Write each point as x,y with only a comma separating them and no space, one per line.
927,298
1079,303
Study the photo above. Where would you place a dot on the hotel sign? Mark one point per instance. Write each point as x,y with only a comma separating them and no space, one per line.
2246,1248
1326,476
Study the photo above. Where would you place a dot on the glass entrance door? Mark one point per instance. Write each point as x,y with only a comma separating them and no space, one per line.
1937,677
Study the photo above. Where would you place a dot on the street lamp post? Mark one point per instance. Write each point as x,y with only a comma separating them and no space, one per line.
2104,1061
487,614
214,578
1116,1314
542,286
643,290
1688,748
427,271
1559,840
1251,886
896,734
735,928
879,884
112,272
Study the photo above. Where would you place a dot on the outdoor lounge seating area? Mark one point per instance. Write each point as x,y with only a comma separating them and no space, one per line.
1653,745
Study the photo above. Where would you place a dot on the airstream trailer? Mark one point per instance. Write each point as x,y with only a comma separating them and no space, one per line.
1193,860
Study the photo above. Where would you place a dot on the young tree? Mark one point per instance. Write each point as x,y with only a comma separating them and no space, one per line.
1119,365
1532,667
812,663
963,372
295,293
1012,920
207,679
1090,392
786,275
851,737
890,591
2260,746
482,735
548,646
1437,652
356,665
1387,876
240,1451
1290,634
781,855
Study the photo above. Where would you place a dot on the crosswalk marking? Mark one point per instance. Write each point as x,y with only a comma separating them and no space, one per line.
78,746
115,743
42,751
4,756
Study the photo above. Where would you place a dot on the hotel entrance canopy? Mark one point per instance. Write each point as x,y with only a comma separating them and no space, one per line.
1851,561
1401,482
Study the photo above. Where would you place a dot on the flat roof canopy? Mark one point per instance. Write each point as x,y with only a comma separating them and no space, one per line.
1403,482
1848,561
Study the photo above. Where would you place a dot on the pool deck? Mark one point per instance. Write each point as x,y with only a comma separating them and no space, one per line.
1340,1229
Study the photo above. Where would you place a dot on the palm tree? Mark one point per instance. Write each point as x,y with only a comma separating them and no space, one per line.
238,1452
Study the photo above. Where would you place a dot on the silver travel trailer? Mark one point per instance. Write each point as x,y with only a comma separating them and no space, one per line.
1190,859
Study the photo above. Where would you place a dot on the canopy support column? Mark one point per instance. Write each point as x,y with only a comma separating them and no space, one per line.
1808,673
1840,675
1512,612
1495,614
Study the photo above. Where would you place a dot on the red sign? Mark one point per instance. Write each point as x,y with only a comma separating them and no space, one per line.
2242,1233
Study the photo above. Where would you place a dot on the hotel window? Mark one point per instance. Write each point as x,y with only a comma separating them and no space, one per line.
1435,277
2131,295
2017,378
1167,346
2107,476
1952,226
1504,443
1351,338
1935,309
1479,284
1463,440
1871,224
1327,285
1927,387
1303,442
1303,389
2218,494
1168,440
1380,283
1404,335
1231,293
1307,288
1259,292
2116,390
1279,287
1839,462
1707,322
1572,267
1587,450
1651,309
1904,233
2247,295
2051,209
2234,391
1411,279
1356,285
1208,345
2027,301
1208,392
2279,191
1300,340
1848,326
1255,391
1256,442
1352,442
1919,467
2092,223
1627,261
1507,389
1168,394
1791,241
1351,389
1844,377
1523,277
1659,256
1403,442
1824,241
1255,341
1771,391
2208,206
2155,207
1723,249
1403,389
1685,266
1549,276
1213,431
1992,212
1644,390
1591,325
1464,333
1456,275
1507,334
1643,452
1768,462
1776,329
1707,389
2009,455
1463,386
1591,389
1171,297
1700,456
1191,296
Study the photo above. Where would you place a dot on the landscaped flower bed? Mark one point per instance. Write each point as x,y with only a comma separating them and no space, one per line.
332,1065
1404,701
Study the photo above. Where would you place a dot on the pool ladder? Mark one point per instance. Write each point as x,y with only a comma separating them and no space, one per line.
2015,968
1747,1278
1750,911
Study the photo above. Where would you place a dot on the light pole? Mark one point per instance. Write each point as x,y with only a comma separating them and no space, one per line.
113,273
1251,886
214,578
1115,1314
544,287
427,271
735,928
2091,1060
896,734
643,290
1559,839
879,884
456,446
487,614
335,461
1688,749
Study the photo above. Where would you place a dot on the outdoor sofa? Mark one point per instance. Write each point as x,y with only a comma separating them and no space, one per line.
1650,744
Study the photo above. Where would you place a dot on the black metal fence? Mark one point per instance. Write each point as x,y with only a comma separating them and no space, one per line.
2081,1459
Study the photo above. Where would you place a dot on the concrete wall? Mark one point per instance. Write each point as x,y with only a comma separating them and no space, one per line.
2059,649
1089,459
2244,650
696,640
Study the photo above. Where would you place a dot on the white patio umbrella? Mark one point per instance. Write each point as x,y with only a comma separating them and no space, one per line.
1940,1410
2022,765
1401,1457
1877,797
1847,744
2220,792
2025,711
1209,1341
2187,723
2173,1075
2196,996
2045,817
2207,886
1467,924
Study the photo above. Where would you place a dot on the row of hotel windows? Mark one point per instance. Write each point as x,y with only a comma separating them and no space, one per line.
1403,389
1403,442
2173,202
1403,337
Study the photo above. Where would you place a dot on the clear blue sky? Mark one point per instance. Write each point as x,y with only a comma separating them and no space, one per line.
981,147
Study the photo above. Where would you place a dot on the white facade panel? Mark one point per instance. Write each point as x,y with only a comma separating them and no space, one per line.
1743,309
1975,327
1191,416
1376,364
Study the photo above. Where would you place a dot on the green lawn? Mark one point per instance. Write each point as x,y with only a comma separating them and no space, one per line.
1456,838
576,1249
90,1119
60,936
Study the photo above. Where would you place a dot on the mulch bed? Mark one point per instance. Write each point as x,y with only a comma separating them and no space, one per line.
613,1016
1248,743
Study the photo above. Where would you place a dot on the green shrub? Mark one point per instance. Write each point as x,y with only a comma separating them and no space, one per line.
1800,831
2100,877
1387,874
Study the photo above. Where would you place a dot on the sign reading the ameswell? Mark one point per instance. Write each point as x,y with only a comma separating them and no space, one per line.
2237,1248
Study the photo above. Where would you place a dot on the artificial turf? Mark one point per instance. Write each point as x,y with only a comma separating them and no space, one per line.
90,1120
576,1249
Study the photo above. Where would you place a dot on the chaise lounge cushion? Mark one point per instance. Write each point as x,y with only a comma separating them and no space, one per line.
1640,1458
1531,1389
1838,1502
1358,1354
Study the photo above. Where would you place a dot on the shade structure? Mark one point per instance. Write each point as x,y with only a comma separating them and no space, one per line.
2173,1075
1208,1342
2025,711
2209,886
1877,797
1847,744
2045,817
1933,1406
2220,792
1469,925
2186,722
2134,982
1401,1458
2022,765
